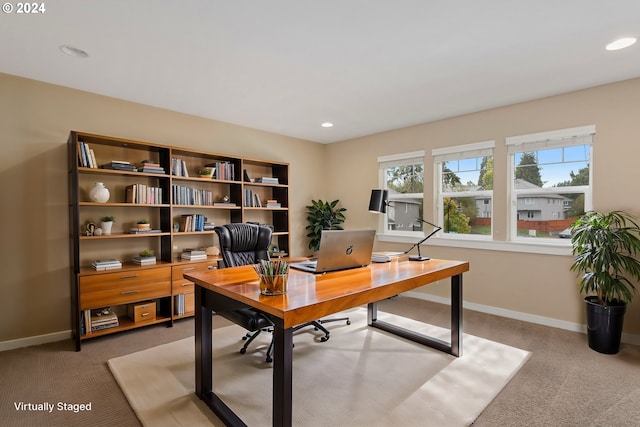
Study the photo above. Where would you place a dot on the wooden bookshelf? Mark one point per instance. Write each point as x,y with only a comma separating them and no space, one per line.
183,193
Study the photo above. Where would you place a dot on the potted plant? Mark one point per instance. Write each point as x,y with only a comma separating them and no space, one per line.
205,173
605,248
143,224
106,222
323,215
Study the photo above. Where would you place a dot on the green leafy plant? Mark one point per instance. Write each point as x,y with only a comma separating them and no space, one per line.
605,248
146,253
323,215
143,221
108,218
204,172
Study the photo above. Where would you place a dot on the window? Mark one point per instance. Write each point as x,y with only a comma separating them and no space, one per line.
464,189
550,181
402,176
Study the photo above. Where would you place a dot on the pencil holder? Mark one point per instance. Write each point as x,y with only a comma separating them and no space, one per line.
273,277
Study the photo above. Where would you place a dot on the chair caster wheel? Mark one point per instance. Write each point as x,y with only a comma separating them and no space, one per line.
243,350
325,338
348,322
269,360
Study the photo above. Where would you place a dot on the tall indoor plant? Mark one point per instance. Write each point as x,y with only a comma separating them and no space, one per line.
605,248
323,215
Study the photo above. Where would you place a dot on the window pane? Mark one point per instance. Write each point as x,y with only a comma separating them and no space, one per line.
557,167
403,214
405,179
467,215
547,215
468,174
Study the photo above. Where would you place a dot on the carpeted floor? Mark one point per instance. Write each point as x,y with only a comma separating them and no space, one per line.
360,377
564,383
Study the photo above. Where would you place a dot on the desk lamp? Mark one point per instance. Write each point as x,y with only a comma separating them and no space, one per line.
378,204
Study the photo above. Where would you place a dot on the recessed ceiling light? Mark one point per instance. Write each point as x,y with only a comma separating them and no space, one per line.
621,43
73,51
327,125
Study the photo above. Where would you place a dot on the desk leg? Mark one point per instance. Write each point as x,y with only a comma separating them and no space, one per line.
454,347
204,345
282,375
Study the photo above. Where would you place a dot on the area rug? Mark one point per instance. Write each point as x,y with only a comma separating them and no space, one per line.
361,377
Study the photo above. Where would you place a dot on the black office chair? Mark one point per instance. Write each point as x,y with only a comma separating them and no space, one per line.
244,244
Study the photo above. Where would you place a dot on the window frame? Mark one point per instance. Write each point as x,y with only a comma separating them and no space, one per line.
385,162
460,152
560,138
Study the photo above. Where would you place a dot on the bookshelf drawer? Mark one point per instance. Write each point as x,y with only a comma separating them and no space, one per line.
123,295
122,287
124,278
177,271
182,287
142,312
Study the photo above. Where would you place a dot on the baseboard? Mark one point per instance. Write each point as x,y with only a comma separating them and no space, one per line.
525,317
510,314
35,340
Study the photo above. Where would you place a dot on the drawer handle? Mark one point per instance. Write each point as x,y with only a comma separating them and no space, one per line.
131,276
144,314
186,284
188,268
129,292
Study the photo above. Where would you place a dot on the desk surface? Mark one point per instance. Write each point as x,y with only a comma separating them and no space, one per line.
312,296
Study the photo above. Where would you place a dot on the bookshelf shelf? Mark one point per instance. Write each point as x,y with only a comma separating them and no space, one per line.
161,283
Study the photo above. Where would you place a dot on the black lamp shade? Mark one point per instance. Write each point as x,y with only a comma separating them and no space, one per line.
378,201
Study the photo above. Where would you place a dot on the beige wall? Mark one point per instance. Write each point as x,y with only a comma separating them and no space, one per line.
538,285
35,120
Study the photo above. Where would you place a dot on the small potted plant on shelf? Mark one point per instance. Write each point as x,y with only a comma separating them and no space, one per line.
143,224
323,215
145,257
605,248
106,222
205,173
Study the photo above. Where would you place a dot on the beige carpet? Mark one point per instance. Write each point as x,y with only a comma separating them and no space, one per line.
360,377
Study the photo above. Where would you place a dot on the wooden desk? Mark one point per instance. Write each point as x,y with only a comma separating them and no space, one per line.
310,297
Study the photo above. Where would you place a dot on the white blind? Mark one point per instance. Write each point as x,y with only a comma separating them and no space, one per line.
553,139
466,151
405,159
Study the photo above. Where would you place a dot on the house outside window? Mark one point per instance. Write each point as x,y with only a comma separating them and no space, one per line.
463,179
550,181
402,175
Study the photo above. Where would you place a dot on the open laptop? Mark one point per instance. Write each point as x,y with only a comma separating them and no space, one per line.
340,250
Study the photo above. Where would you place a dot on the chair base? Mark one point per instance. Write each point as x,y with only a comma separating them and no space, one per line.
250,336
317,325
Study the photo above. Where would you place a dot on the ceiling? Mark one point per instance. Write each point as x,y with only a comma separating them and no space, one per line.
286,66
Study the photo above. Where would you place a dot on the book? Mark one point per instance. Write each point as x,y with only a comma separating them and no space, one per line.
147,260
138,231
267,180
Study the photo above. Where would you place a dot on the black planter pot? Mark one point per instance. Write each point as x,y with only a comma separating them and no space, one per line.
604,325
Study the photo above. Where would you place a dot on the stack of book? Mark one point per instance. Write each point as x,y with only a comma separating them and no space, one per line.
103,319
144,260
106,264
194,254
267,180
120,165
151,167
273,204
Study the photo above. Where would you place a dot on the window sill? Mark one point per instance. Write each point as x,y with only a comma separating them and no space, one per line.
545,247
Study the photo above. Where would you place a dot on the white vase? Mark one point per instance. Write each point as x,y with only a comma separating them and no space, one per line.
106,227
99,193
